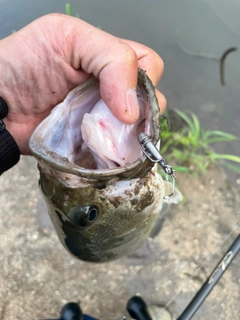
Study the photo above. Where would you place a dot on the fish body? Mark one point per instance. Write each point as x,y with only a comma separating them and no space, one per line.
103,195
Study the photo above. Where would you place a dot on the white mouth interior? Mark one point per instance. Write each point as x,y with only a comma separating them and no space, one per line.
83,129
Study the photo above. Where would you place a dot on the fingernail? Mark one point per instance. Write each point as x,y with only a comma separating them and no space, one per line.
132,107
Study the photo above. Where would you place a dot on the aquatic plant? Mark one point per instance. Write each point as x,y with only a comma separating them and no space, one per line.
69,10
190,148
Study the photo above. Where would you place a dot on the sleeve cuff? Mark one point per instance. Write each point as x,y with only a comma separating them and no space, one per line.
9,151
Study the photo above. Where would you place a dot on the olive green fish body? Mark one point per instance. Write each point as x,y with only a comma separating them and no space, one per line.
101,223
103,194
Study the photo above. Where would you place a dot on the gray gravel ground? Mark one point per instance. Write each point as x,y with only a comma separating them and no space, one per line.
37,275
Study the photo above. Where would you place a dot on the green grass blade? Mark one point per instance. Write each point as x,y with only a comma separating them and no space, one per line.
180,155
221,134
213,140
186,119
197,130
231,166
68,9
182,169
191,146
166,146
226,157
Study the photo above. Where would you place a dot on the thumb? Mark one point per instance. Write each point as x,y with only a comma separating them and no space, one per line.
118,81
114,62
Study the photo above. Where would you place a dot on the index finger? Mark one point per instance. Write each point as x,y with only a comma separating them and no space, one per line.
148,60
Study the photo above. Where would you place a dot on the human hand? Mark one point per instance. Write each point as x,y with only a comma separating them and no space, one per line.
42,62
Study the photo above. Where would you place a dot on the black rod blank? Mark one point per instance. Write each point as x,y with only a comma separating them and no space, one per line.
211,281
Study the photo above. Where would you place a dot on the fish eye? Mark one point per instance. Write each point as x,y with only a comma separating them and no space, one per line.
92,214
84,216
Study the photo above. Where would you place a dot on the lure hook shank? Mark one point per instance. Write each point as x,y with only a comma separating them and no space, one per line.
152,153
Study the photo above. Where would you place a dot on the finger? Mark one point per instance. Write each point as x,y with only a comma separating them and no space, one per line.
162,102
118,81
148,60
113,61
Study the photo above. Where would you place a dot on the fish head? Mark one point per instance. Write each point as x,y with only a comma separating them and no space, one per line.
102,221
103,194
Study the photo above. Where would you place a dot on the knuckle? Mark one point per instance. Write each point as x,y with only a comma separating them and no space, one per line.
128,54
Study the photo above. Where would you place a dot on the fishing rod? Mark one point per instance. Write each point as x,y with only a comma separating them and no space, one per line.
211,281
137,307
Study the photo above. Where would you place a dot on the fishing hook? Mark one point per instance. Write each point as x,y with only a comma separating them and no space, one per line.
166,118
152,153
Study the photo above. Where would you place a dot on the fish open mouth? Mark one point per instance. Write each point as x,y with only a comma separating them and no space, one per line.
102,196
89,136
81,136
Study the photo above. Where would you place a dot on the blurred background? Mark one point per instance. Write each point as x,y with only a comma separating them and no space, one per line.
38,276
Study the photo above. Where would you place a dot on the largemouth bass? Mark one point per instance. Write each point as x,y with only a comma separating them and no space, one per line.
103,194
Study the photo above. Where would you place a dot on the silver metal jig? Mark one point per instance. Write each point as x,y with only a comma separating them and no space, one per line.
152,153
